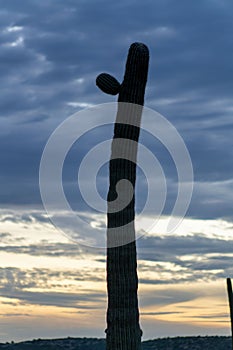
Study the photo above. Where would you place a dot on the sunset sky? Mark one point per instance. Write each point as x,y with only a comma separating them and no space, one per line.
50,55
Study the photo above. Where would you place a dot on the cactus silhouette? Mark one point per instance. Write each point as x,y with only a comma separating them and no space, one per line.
123,329
230,298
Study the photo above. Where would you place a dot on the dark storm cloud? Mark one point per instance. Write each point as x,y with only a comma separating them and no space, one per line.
52,51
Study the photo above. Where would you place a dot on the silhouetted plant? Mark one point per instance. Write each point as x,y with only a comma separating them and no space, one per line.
123,330
230,298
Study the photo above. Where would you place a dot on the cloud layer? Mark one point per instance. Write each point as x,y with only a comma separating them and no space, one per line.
51,54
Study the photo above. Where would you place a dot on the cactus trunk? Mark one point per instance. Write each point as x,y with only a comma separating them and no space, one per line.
123,330
230,298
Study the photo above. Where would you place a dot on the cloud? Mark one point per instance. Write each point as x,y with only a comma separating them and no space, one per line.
180,257
68,300
51,54
176,271
30,286
163,296
185,245
4,236
159,313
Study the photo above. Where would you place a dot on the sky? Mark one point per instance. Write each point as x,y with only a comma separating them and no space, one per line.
51,53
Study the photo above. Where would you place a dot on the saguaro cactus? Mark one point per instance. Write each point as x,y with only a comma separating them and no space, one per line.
123,330
230,298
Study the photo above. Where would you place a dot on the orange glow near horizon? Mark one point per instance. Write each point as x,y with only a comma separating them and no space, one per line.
62,292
